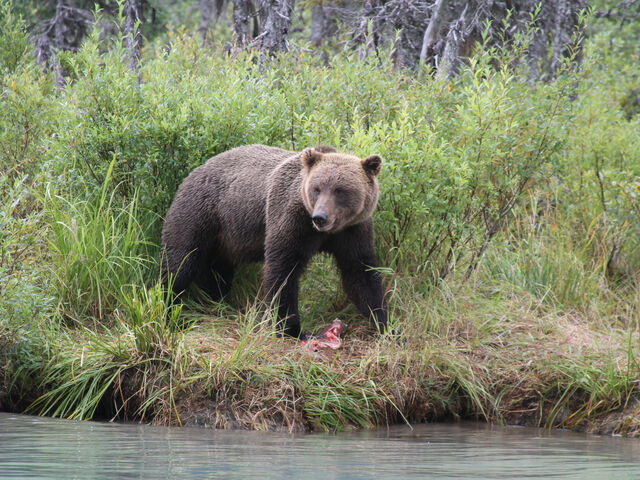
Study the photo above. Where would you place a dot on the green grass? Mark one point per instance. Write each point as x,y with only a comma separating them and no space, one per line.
547,264
482,357
98,251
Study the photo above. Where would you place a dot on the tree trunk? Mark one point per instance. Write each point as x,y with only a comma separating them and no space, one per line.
275,35
451,53
133,19
432,33
207,14
560,37
318,26
323,23
210,11
241,15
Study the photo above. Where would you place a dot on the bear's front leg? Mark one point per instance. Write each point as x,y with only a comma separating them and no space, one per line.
283,268
354,253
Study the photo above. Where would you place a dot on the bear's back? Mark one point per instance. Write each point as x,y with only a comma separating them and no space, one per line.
252,160
238,180
234,186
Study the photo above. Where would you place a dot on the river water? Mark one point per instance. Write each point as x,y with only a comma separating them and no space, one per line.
44,448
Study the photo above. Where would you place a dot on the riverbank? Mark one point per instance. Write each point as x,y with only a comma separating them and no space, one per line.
483,351
472,356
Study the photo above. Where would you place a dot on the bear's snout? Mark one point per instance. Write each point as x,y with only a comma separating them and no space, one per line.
320,219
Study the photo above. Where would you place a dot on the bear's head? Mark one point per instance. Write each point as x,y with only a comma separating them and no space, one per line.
338,190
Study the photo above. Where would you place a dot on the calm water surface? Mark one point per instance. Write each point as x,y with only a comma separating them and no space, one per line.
43,448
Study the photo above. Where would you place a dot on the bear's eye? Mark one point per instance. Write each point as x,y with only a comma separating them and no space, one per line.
339,191
316,190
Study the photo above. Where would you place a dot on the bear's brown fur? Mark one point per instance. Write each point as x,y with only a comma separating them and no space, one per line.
258,203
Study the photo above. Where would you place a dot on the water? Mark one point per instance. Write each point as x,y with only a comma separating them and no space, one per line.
43,448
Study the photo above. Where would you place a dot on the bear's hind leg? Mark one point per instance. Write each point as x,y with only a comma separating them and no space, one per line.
215,278
182,267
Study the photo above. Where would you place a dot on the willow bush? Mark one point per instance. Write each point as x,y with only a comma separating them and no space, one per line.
459,155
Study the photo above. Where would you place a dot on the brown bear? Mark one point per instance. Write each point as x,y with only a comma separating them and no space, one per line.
257,203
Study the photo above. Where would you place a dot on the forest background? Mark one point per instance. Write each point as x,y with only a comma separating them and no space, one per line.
507,226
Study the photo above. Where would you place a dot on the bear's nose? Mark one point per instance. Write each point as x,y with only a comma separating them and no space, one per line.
319,219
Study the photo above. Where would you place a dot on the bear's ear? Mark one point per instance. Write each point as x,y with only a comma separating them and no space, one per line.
372,164
309,157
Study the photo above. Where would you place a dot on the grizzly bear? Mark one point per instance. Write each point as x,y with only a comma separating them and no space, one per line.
257,203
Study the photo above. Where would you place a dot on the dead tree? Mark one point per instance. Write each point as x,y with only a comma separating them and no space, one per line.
243,13
70,24
432,32
323,23
457,35
407,21
317,25
64,31
275,32
443,32
397,24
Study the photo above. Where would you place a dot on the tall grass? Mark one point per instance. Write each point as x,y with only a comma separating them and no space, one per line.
98,249
114,372
542,260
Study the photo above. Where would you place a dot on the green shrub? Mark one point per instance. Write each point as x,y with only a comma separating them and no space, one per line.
21,245
458,156
15,44
26,99
26,302
597,182
158,130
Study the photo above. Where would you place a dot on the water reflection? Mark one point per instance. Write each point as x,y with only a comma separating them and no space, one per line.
42,448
